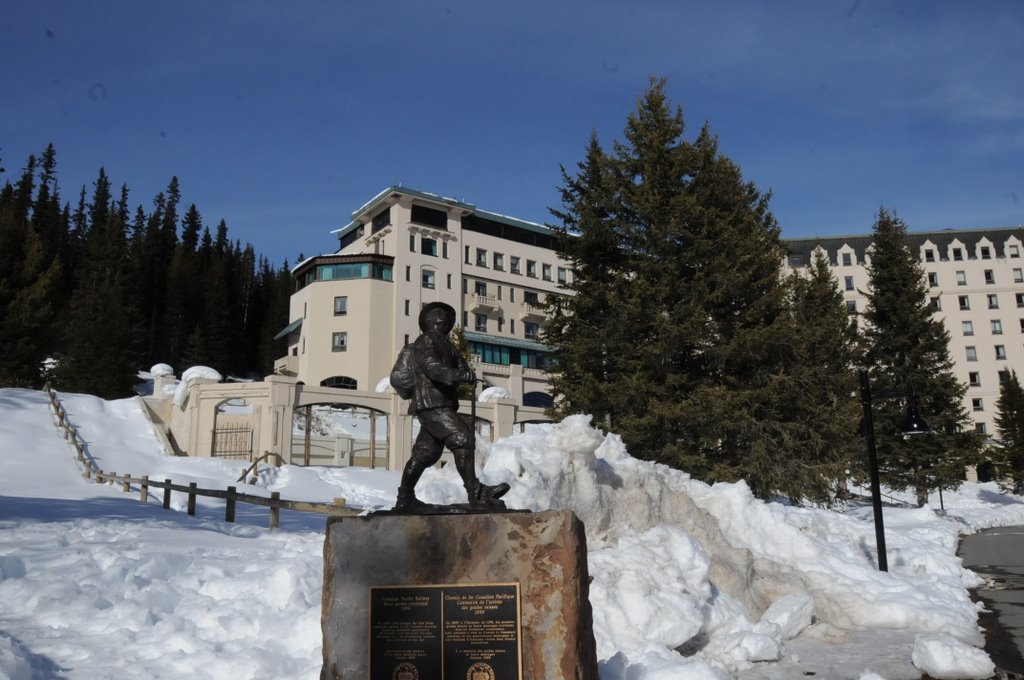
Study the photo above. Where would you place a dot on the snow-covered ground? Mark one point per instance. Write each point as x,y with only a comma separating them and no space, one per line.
689,580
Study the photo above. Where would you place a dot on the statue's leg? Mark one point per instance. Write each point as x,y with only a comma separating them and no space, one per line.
461,440
425,452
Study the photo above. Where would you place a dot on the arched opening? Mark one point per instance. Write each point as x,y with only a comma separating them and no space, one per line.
232,430
986,472
342,382
538,400
339,434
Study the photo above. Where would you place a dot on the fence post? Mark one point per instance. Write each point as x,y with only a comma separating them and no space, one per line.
229,508
275,510
126,486
111,479
99,476
167,494
192,499
144,489
88,472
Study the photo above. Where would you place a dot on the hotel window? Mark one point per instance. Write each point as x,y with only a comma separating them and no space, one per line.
531,331
851,306
467,254
796,261
481,257
562,275
933,280
965,302
480,288
530,298
1018,275
480,324
428,246
1001,352
546,269
977,404
961,278
986,253
993,301
972,353
847,260
465,320
974,378
499,262
929,255
512,326
341,305
967,327
848,282
1004,376
1020,299
428,278
531,269
513,264
958,254
936,304
1014,251
444,249
511,294
407,309
980,428
449,282
990,278
501,324
997,327
499,291
1022,325
339,342
408,273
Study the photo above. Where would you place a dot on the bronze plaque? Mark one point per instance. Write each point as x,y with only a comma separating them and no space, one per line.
445,632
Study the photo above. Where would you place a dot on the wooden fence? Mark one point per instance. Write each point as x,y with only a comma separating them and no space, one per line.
230,495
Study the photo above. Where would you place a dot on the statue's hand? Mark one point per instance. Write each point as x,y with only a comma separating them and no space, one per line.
466,375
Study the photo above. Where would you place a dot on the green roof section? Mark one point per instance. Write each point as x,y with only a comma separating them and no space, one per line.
444,200
290,328
470,336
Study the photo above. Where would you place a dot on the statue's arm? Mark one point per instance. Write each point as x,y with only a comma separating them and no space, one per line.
437,369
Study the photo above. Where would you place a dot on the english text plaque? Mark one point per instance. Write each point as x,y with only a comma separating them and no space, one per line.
447,632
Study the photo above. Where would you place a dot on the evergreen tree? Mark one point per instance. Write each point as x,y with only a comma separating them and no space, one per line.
1009,454
101,355
819,387
30,276
906,352
679,335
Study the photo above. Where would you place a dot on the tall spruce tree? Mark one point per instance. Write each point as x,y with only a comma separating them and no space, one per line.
101,341
1009,421
906,351
679,334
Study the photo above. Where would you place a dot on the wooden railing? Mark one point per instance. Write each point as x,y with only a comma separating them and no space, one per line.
230,495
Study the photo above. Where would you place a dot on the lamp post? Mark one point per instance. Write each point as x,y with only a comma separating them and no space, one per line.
913,424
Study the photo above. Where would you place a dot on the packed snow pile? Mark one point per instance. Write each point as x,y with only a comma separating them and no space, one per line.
678,563
493,393
688,580
190,374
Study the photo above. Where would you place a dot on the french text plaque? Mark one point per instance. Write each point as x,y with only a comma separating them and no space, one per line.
445,632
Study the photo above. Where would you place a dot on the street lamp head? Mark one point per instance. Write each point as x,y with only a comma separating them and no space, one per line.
913,424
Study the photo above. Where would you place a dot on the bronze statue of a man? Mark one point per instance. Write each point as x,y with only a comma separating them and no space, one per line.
429,373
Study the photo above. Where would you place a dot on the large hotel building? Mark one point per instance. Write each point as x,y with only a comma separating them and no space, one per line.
354,309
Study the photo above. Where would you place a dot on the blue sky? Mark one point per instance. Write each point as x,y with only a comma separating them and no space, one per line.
284,118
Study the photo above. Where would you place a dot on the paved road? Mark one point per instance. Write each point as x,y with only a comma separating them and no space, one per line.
997,555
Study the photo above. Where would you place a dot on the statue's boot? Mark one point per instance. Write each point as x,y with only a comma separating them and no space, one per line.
406,492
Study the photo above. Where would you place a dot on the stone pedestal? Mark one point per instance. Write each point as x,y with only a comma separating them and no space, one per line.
545,553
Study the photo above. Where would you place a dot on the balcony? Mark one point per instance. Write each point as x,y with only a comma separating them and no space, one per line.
531,313
287,365
483,304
